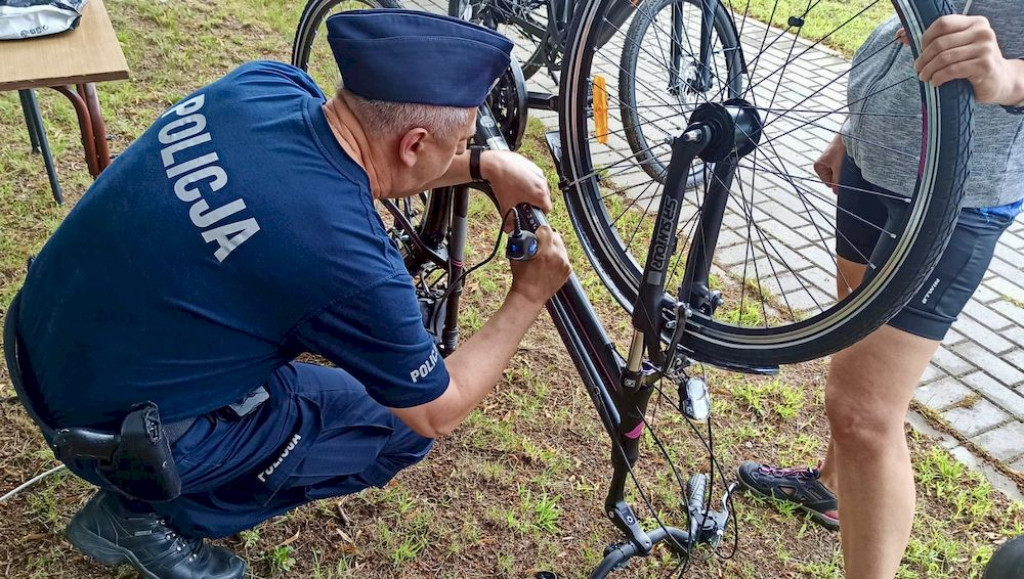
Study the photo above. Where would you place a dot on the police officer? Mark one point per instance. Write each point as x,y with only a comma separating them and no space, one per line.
240,231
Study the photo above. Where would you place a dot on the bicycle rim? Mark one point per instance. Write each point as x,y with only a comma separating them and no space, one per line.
778,279
311,52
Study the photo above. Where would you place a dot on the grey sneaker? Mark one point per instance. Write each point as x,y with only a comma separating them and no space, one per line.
796,485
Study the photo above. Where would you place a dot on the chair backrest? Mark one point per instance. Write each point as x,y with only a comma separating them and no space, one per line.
20,371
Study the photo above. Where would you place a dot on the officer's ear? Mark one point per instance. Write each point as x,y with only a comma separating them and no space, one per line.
411,146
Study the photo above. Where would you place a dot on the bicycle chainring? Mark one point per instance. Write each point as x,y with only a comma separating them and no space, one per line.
507,102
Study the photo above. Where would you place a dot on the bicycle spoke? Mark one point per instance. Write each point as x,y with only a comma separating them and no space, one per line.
761,49
817,180
812,46
637,198
640,222
782,33
809,122
750,251
789,55
749,210
789,111
802,193
866,58
836,79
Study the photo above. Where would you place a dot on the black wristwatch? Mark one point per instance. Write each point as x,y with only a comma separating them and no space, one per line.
474,162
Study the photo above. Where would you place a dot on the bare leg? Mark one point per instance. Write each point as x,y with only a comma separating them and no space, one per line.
849,275
866,398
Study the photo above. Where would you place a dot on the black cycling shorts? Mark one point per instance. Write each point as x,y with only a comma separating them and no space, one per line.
862,216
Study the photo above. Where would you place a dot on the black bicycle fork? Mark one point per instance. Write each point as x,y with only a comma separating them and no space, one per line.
719,134
619,388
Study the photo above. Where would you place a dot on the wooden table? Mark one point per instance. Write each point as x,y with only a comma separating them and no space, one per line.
79,58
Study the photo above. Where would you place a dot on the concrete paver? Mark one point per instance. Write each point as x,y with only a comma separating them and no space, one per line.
1003,443
973,420
942,394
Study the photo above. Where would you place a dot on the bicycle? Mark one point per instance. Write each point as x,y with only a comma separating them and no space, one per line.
539,28
694,323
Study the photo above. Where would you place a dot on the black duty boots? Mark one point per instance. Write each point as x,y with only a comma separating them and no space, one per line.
112,533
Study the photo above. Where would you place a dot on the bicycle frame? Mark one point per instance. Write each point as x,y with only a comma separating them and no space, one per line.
620,389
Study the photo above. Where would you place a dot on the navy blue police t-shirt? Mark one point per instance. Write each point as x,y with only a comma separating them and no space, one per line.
233,235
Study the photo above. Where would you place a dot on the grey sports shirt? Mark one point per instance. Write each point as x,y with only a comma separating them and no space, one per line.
887,148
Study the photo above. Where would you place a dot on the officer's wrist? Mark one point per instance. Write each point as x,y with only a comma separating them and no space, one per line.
525,299
476,163
489,162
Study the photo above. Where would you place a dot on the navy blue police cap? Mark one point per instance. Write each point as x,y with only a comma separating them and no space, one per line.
408,56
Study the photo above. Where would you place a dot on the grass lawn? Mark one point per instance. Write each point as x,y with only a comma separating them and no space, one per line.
520,486
840,24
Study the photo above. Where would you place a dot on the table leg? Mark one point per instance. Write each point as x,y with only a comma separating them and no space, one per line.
85,123
33,139
35,122
99,129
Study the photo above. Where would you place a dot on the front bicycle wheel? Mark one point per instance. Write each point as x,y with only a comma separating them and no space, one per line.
774,260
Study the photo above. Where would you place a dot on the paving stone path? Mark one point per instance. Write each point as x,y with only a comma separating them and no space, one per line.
976,380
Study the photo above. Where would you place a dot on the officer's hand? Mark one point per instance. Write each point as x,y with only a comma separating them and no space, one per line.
830,162
539,278
514,180
956,47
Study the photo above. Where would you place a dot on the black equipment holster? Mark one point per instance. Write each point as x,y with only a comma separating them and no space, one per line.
136,460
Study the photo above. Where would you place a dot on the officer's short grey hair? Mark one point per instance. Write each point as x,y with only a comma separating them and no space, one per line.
390,119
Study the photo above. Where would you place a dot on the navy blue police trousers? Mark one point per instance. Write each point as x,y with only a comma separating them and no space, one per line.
319,435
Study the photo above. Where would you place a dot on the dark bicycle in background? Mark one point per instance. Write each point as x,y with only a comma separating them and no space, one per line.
539,29
706,274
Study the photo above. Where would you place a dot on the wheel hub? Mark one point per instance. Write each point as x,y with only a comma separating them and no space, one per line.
735,128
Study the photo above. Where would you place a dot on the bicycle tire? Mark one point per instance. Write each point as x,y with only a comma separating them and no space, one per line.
530,51
313,16
917,244
400,216
632,124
